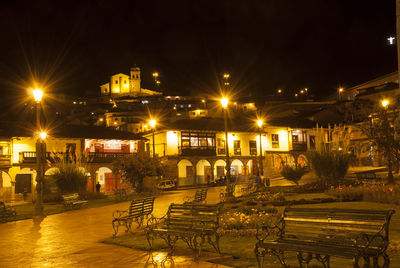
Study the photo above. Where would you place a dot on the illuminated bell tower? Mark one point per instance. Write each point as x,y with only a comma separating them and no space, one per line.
135,79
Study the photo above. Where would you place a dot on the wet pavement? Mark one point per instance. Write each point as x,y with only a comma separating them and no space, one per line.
73,239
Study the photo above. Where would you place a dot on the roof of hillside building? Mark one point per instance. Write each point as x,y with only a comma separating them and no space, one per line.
23,129
234,125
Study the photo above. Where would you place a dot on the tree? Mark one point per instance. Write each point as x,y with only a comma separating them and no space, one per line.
135,168
380,131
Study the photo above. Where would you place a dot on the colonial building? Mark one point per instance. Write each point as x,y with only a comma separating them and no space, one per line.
93,149
195,149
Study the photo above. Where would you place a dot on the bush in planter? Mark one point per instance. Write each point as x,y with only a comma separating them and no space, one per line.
70,179
293,174
330,166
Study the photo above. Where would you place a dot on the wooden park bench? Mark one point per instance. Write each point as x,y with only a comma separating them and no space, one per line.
228,191
138,210
7,213
72,201
367,176
199,197
323,232
248,188
192,223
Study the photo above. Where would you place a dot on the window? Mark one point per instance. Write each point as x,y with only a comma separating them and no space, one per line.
236,147
116,81
275,140
198,140
253,147
220,146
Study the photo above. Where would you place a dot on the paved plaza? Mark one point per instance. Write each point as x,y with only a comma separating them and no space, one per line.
72,239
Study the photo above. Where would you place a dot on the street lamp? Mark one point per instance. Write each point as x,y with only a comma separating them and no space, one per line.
340,91
385,103
153,123
259,124
224,103
40,155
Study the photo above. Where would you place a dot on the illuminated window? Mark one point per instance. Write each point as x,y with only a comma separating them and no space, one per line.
236,147
275,141
253,147
198,140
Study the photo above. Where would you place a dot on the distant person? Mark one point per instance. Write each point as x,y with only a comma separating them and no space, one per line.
208,179
98,186
25,194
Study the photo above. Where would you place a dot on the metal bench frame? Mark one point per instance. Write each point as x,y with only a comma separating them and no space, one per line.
7,213
138,210
199,197
192,223
228,191
72,201
320,233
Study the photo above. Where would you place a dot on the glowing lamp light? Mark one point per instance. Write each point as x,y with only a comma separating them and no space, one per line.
43,135
226,75
37,94
279,91
384,103
302,91
152,123
155,74
224,102
158,82
341,90
259,122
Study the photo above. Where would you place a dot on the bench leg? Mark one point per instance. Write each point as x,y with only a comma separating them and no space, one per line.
304,260
386,261
198,245
260,254
324,260
115,227
215,243
150,239
357,265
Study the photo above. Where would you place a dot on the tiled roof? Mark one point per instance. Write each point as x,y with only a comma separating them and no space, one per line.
25,129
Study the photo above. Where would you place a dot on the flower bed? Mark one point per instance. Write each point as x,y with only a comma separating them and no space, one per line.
368,192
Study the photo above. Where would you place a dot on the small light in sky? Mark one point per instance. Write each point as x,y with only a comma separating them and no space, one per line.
391,40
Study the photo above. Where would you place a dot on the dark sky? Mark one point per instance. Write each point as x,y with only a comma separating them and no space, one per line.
74,46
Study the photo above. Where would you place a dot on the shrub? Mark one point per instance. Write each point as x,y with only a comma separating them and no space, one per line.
70,179
368,192
93,195
293,174
52,198
329,166
239,220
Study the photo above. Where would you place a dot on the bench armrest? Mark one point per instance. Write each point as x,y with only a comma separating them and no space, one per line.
268,231
364,242
153,222
120,213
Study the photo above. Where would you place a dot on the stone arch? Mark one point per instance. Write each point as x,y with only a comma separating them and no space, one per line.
203,169
219,168
237,170
105,177
186,172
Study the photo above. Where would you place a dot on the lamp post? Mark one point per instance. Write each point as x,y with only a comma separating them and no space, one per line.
224,103
259,124
385,104
153,126
40,155
340,91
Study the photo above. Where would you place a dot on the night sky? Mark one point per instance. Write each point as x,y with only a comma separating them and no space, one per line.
74,46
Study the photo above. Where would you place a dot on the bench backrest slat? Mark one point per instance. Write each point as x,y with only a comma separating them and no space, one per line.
192,216
139,207
334,226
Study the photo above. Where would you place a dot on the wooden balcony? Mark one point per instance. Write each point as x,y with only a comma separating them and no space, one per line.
105,157
30,157
5,160
197,151
299,146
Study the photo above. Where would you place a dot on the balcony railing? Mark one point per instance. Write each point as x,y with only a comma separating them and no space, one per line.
194,151
299,146
91,157
105,157
5,160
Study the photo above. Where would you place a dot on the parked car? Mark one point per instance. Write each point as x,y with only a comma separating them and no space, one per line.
166,185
